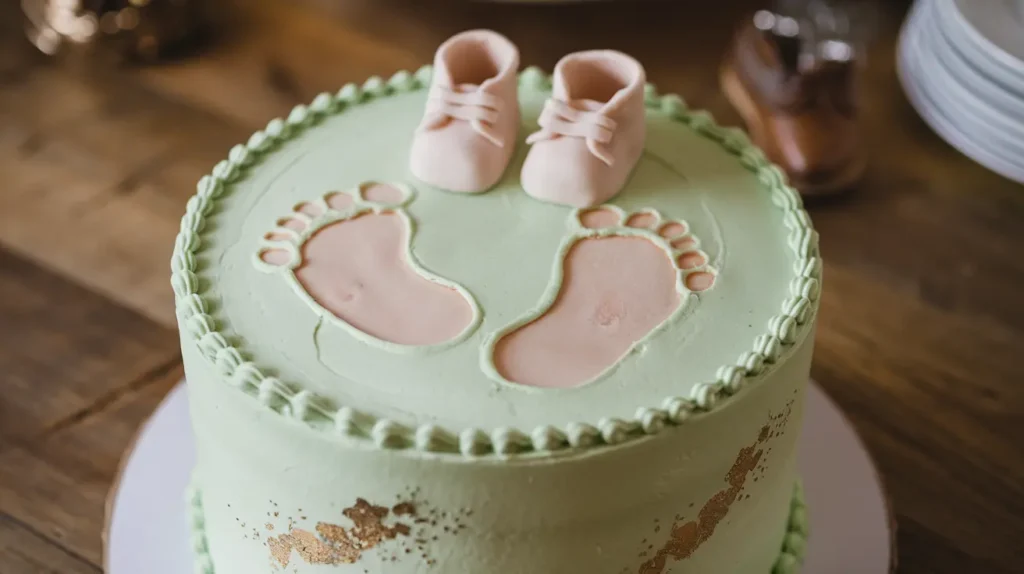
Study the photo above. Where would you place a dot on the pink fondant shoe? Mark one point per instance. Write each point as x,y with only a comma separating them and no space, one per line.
469,128
592,130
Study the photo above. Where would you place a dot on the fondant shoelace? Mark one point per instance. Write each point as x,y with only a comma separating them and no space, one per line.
561,119
477,107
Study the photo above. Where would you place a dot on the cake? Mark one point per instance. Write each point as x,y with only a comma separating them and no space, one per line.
389,377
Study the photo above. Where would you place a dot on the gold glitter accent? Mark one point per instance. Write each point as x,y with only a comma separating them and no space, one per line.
369,528
347,549
404,509
310,548
337,544
684,539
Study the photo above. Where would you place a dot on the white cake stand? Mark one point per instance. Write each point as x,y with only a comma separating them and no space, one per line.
148,530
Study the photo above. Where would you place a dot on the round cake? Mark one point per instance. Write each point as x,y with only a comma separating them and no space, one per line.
389,377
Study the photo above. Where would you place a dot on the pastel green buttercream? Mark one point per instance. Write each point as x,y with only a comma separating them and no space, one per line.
502,247
791,557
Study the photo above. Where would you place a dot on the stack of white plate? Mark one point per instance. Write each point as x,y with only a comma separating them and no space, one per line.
962,65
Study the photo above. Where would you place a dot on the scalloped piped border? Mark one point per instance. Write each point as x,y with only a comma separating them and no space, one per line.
791,556
317,412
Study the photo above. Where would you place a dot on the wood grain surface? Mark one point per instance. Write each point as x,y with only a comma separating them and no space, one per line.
922,318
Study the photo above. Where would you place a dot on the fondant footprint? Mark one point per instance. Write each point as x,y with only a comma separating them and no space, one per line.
618,279
348,254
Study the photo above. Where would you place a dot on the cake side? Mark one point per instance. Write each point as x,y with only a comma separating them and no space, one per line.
711,495
790,558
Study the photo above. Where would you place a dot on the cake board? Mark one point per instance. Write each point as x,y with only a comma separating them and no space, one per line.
147,523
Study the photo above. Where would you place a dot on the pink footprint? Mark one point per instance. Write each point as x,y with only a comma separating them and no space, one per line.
348,253
623,276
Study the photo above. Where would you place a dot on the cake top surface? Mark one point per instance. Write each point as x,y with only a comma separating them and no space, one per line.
489,322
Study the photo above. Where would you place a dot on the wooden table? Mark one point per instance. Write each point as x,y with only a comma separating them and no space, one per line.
922,320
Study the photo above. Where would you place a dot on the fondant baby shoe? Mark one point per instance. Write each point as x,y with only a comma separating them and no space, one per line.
592,130
468,132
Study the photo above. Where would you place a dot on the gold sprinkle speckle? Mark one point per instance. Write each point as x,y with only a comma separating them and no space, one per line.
685,538
404,509
310,548
337,544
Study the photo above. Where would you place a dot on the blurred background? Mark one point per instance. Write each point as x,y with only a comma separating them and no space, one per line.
110,111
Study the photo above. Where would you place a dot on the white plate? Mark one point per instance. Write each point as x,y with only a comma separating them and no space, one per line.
908,70
955,122
955,127
967,102
999,26
147,525
1001,68
980,59
979,81
952,111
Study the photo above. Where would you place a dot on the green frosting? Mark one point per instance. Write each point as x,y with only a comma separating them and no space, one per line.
197,522
500,246
791,557
794,545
